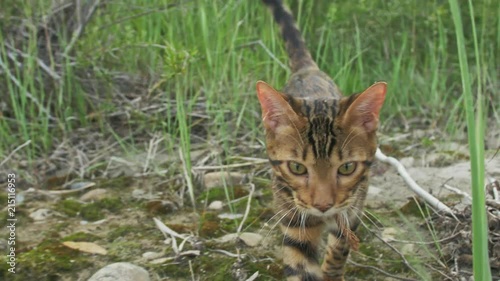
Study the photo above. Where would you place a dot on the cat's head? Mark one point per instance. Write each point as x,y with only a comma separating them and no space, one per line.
321,150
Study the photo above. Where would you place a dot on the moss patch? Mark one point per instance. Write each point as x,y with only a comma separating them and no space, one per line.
81,237
121,249
90,211
120,182
50,258
69,207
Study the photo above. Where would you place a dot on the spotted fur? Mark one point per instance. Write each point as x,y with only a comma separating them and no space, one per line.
311,124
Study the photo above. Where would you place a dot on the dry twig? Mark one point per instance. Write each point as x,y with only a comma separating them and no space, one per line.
433,201
380,270
14,152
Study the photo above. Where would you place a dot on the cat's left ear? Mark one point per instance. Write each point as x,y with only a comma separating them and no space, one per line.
365,109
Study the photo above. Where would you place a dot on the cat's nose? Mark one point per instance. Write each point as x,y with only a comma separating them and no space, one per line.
323,207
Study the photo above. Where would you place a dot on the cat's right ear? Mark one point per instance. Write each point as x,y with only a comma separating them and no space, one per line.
276,111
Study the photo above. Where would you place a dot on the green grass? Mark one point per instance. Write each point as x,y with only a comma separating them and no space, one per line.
209,52
199,61
476,129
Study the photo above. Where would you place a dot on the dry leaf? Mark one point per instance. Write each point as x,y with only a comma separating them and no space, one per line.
87,247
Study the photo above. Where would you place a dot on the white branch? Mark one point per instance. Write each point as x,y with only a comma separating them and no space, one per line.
433,201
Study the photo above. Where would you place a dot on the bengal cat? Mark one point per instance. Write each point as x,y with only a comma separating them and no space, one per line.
320,145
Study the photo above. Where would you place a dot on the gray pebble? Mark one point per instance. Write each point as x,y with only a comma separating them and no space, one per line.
121,271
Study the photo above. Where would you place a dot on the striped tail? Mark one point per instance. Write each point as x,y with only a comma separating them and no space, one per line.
294,43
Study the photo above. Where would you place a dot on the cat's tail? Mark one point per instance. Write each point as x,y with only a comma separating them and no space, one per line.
294,43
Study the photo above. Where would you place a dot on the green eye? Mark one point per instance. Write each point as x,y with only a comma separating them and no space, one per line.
347,168
297,168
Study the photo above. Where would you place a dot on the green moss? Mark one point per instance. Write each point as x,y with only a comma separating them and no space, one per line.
69,207
50,258
3,197
132,231
120,182
269,270
119,231
112,204
91,212
21,214
220,193
121,249
81,236
218,270
210,267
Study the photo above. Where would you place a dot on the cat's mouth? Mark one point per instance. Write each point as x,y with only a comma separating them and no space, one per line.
310,210
328,213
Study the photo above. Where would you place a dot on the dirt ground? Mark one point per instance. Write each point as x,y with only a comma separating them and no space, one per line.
402,238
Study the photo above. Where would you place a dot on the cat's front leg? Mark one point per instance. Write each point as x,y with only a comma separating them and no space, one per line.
300,252
339,246
336,254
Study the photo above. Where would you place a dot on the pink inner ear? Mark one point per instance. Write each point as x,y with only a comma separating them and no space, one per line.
274,107
366,108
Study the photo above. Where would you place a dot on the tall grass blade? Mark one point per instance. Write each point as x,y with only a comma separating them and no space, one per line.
475,125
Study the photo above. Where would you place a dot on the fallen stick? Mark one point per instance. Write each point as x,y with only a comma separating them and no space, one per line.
433,201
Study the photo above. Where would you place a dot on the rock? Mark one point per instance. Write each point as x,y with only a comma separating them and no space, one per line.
389,234
230,216
94,195
217,179
138,193
40,214
408,249
121,271
152,255
373,190
249,238
216,205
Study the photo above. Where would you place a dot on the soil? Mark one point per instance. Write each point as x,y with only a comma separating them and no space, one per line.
401,237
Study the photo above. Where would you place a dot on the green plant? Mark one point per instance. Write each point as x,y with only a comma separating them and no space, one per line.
476,127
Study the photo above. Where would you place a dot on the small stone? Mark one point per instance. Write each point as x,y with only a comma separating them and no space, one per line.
407,161
408,249
216,205
19,198
227,238
389,233
40,214
121,271
94,195
230,216
373,190
152,255
218,179
138,193
251,239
